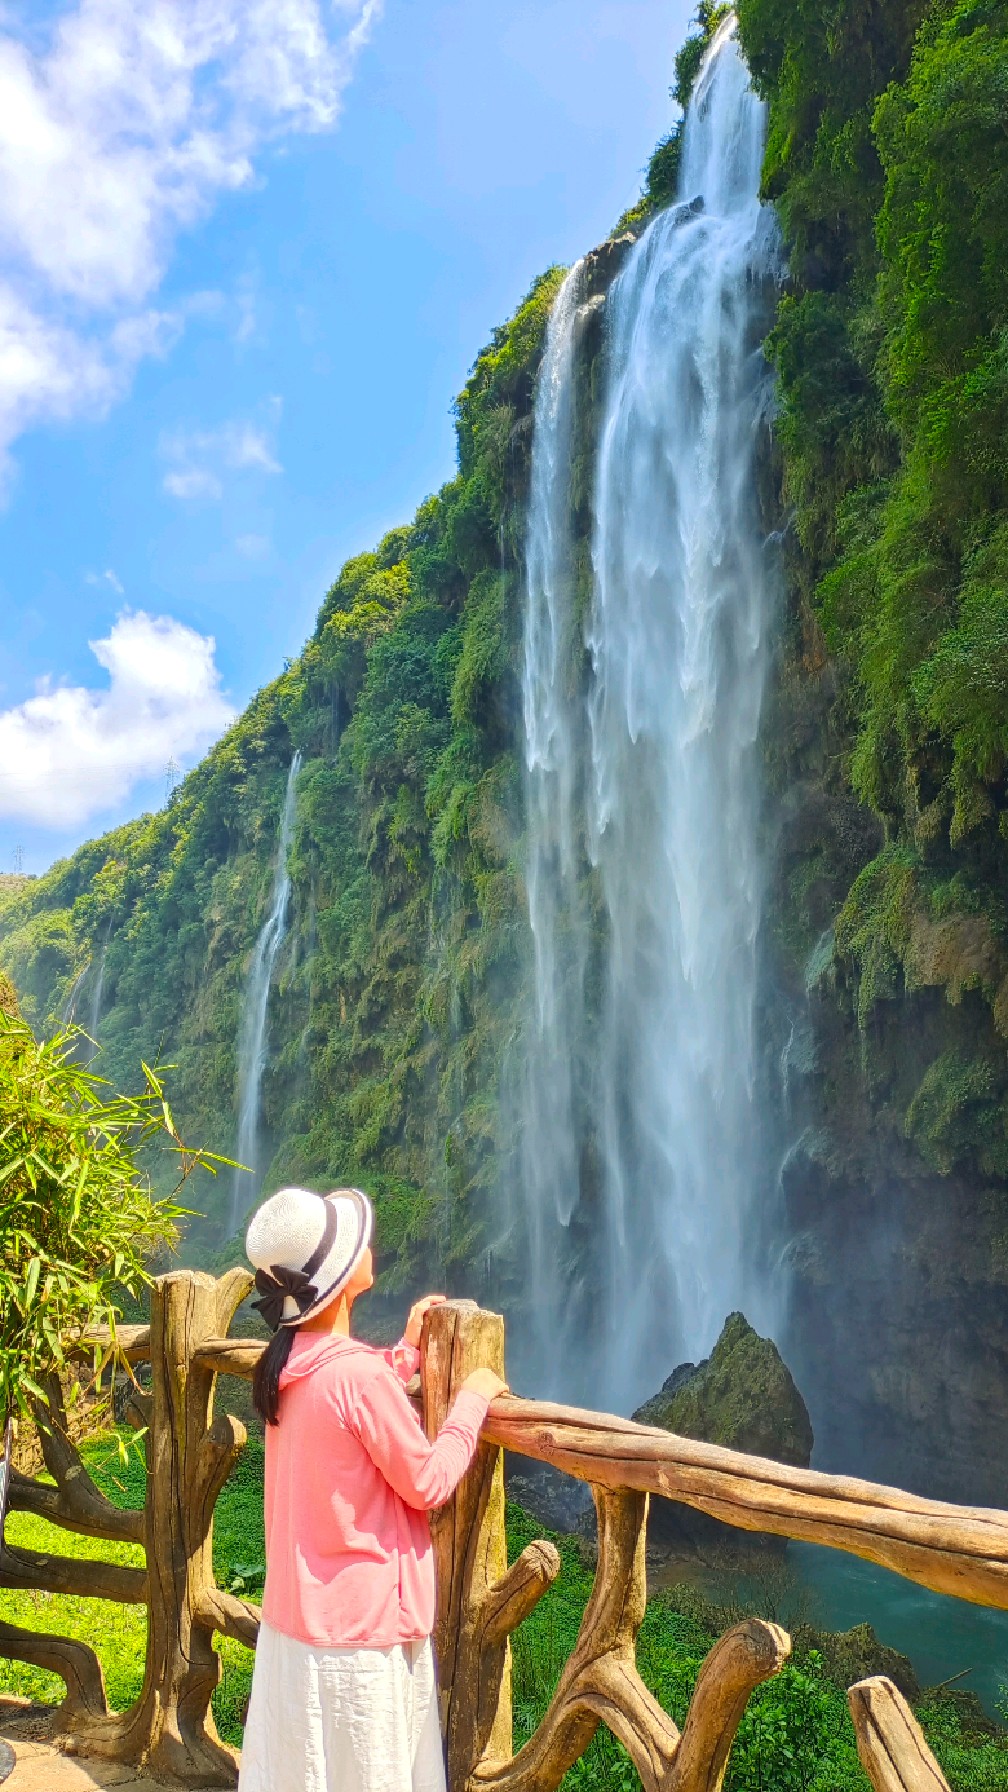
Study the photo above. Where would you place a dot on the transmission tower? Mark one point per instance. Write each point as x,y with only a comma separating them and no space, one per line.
172,774
18,861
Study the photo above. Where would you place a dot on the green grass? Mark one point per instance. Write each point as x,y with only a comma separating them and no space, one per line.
119,1632
796,1735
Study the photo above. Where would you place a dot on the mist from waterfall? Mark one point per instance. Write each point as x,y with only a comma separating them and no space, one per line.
255,1009
639,1115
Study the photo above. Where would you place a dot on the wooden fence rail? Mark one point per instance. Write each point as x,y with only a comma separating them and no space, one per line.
481,1601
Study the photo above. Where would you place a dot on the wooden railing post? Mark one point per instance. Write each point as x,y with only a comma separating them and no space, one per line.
189,1457
890,1741
470,1548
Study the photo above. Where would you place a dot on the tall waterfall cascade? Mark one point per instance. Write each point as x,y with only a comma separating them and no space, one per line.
555,739
252,1047
639,1128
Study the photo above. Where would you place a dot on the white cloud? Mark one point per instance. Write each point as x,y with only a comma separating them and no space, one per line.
122,130
108,577
253,547
193,482
71,752
197,458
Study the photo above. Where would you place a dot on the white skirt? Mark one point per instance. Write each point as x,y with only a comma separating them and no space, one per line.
341,1720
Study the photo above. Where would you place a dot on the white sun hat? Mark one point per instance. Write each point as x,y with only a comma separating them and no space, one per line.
304,1248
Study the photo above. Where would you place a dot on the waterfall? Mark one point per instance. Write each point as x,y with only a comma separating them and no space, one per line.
655,1181
96,997
255,1007
554,744
68,1013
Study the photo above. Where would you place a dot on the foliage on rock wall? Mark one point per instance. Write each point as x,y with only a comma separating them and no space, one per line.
661,176
886,161
397,983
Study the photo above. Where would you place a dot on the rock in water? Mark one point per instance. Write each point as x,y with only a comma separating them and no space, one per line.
744,1397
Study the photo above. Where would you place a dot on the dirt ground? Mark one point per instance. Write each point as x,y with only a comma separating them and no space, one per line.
41,1768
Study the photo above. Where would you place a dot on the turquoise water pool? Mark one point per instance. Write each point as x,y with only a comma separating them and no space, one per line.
941,1636
824,1587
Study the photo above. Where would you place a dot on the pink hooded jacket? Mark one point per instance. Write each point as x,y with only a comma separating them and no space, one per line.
350,1478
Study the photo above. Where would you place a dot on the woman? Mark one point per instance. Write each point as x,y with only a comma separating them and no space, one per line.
343,1693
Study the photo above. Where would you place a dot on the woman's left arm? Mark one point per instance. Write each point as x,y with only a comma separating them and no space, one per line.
404,1357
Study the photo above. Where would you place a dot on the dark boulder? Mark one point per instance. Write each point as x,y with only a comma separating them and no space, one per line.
852,1655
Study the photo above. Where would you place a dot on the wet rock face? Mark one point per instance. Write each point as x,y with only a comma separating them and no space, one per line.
899,1320
743,1397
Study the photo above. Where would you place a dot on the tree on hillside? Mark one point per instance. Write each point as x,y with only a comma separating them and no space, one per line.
79,1224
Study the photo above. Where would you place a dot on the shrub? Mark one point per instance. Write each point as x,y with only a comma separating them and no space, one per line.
78,1222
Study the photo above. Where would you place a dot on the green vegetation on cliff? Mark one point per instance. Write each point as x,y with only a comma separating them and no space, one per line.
886,161
396,989
398,993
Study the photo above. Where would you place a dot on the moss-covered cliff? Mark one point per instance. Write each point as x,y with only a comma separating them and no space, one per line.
887,735
396,985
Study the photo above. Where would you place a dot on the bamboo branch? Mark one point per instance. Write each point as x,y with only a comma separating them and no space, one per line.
890,1741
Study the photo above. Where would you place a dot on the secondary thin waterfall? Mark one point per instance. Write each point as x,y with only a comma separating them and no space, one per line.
96,996
255,1008
659,1182
555,740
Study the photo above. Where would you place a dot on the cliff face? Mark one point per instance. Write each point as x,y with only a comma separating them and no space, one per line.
398,995
395,986
886,743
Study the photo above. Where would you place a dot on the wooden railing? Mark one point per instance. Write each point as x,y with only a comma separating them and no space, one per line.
481,1601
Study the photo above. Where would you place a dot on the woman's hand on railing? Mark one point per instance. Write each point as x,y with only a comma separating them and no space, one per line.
486,1382
416,1317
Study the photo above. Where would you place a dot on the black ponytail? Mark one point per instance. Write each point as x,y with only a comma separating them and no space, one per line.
268,1370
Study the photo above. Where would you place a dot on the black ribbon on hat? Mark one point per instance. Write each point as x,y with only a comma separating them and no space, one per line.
277,1282
274,1286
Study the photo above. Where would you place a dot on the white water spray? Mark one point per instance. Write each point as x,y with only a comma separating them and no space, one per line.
255,1008
665,1215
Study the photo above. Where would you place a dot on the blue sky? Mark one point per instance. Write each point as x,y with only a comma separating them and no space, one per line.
247,255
